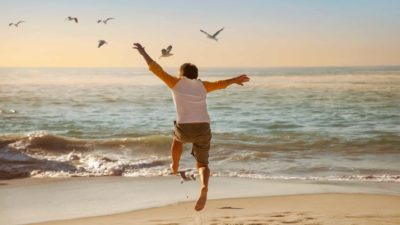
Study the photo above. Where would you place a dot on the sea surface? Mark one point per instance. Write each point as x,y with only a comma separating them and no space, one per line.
333,123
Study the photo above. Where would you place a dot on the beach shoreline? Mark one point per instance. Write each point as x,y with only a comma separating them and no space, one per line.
74,200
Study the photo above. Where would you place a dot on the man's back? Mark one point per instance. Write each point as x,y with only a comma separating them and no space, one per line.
190,101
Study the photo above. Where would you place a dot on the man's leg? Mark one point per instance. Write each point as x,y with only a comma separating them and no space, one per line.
176,152
204,172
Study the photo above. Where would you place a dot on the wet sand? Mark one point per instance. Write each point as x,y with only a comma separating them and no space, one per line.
123,200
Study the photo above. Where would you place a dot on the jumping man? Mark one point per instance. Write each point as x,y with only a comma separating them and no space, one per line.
192,124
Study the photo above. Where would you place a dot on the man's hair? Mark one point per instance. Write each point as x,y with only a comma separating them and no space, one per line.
189,70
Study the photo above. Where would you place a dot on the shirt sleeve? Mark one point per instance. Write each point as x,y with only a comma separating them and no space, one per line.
169,80
216,85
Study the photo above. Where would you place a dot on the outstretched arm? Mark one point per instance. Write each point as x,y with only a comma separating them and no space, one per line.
169,80
221,84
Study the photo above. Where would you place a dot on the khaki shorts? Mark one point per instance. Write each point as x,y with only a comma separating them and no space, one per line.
197,133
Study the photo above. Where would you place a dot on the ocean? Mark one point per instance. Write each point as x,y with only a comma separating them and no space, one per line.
328,123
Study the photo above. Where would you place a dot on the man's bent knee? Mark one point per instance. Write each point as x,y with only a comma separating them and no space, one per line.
201,165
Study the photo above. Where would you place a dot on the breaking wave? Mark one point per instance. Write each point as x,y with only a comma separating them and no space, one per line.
43,154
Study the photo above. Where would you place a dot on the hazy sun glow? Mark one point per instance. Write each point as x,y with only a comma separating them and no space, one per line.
258,33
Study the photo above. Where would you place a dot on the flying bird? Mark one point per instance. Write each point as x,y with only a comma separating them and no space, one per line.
214,36
106,20
16,24
101,43
166,52
186,178
70,18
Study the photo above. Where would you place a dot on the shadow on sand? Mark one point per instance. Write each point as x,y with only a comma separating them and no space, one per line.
229,207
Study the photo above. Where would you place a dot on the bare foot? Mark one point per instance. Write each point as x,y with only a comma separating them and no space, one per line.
201,202
174,169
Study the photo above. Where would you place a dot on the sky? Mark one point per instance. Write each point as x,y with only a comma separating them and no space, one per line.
258,33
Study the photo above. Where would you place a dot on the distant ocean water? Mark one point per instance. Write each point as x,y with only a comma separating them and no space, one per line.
287,123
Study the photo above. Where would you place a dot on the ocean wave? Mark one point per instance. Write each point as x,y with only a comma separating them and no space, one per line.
285,141
43,142
43,154
370,177
74,164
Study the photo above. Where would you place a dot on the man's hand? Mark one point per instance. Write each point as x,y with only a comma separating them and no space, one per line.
241,79
143,52
140,48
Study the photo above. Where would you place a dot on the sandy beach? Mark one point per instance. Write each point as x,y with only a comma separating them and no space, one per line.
259,112
164,200
315,209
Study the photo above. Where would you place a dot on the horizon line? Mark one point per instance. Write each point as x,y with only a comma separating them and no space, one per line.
214,67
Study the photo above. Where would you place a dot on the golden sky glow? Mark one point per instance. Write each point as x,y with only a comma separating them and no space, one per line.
258,33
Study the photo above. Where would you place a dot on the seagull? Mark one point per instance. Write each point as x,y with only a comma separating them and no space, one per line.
70,18
186,178
16,24
214,36
106,20
101,43
166,52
